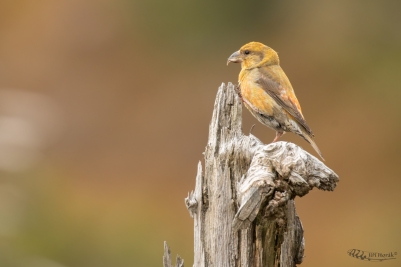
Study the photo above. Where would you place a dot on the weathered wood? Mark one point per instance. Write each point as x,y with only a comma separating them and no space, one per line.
285,170
167,258
194,203
243,203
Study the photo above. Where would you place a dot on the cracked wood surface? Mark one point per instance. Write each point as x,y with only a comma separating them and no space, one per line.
243,202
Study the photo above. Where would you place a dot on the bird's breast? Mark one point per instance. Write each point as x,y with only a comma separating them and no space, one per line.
254,96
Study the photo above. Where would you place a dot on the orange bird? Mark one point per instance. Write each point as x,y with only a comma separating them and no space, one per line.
267,93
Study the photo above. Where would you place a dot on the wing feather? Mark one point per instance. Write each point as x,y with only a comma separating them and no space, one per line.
283,96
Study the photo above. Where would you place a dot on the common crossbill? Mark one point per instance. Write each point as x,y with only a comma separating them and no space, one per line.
267,93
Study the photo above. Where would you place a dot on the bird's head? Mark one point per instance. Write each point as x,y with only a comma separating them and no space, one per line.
253,55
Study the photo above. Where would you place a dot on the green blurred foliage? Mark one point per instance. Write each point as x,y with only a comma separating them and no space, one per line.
115,98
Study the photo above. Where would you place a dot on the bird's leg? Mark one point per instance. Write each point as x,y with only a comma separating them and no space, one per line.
278,135
250,131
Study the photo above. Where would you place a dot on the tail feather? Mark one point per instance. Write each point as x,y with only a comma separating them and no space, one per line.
313,144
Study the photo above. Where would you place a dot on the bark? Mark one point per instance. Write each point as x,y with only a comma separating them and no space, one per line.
243,202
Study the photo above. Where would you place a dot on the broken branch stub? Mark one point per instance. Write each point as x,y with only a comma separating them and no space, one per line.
167,258
279,172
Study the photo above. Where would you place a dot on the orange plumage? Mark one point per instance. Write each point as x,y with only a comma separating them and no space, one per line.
267,92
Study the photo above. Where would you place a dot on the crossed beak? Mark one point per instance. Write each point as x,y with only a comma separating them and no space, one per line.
235,58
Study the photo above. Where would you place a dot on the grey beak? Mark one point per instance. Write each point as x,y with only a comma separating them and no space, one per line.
235,58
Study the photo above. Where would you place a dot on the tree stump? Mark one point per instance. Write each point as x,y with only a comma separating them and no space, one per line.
243,202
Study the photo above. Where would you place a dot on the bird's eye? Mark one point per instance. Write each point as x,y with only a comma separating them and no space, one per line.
246,52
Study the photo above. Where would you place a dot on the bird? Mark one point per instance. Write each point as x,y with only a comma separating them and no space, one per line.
267,92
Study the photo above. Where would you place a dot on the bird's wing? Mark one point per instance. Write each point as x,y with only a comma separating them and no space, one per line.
277,86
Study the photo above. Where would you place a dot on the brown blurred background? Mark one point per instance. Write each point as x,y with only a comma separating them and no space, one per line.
104,113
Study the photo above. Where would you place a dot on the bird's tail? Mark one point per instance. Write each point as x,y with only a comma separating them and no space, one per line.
309,139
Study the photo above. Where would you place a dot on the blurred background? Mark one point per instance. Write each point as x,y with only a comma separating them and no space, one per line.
104,114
